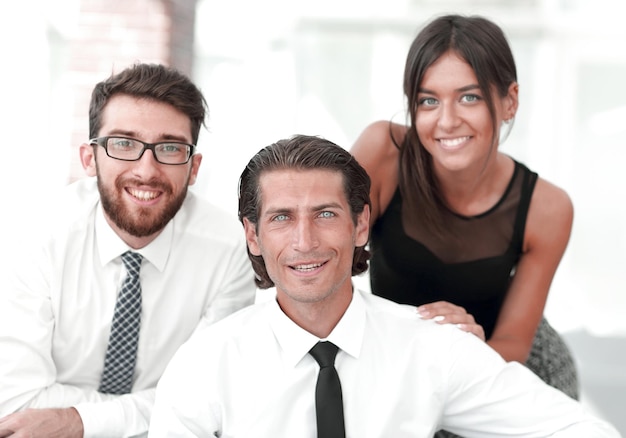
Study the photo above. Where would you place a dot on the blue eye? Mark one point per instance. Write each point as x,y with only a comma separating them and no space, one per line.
121,143
470,98
327,214
428,101
171,147
280,217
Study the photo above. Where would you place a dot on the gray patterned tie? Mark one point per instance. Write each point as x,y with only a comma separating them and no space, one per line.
328,398
119,363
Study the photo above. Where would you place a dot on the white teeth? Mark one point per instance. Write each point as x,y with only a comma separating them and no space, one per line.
143,195
451,142
307,267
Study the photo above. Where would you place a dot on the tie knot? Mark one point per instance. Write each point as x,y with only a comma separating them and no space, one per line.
324,353
132,262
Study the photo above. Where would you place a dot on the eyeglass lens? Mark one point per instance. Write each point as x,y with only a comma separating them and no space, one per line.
131,149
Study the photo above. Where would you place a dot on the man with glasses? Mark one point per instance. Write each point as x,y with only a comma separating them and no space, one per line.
130,264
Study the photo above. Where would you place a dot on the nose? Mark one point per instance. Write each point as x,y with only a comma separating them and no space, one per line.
146,166
448,117
304,237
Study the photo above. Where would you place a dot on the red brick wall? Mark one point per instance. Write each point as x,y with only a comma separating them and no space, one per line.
112,34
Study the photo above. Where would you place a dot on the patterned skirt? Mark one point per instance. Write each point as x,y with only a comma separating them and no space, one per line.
551,360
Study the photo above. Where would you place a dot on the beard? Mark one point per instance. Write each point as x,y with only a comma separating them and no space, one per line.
144,221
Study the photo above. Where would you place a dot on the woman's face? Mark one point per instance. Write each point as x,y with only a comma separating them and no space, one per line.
452,117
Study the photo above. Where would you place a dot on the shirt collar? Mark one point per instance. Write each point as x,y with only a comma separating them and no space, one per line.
111,246
296,342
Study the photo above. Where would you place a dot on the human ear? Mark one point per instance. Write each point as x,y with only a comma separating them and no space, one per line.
88,158
196,159
363,227
251,237
511,101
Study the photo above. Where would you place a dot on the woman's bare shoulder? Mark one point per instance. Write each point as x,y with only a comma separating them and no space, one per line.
378,143
551,199
550,215
378,152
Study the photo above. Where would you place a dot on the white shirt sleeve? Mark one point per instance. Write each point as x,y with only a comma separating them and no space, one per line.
27,368
236,289
490,398
57,303
176,413
29,374
124,416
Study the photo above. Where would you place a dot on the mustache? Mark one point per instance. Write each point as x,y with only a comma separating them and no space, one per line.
308,258
152,183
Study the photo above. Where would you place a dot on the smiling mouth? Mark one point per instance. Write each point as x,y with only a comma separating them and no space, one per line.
306,268
453,142
143,195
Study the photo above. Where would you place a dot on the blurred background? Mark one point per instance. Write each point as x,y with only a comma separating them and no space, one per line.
273,68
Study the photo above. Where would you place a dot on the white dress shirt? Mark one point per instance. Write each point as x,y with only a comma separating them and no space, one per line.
55,316
250,375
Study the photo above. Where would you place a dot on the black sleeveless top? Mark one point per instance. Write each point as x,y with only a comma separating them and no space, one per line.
472,267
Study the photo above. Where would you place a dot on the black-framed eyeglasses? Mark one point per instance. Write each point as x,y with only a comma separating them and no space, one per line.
131,149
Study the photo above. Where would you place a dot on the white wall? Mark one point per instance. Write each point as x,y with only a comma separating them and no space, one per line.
34,114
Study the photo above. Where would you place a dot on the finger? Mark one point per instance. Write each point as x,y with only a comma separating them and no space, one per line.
5,432
475,329
453,318
439,308
6,428
441,316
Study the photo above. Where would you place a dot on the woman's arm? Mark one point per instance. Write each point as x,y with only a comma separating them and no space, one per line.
548,228
376,152
547,234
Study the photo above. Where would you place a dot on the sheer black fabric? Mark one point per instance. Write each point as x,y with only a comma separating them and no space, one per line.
472,267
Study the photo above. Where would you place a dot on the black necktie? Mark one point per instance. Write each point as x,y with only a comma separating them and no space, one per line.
328,399
119,363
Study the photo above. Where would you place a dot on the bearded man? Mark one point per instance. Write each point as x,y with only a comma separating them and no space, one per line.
129,265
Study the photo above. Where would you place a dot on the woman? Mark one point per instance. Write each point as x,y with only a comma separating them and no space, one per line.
459,229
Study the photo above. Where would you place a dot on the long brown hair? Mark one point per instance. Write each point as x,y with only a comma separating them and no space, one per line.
483,45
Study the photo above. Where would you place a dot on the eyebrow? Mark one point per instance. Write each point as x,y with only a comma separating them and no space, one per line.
283,210
458,90
162,137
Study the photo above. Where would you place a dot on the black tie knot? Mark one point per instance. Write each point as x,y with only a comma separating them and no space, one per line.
324,353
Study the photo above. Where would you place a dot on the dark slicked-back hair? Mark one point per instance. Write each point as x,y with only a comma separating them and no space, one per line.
303,152
483,45
150,81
